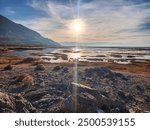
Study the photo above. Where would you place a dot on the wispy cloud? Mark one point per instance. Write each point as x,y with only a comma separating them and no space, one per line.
123,21
8,11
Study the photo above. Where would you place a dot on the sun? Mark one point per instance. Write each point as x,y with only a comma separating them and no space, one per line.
77,26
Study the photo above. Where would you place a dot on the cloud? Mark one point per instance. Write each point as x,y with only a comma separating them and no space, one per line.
107,21
8,11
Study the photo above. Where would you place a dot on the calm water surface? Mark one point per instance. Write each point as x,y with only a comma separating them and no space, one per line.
117,55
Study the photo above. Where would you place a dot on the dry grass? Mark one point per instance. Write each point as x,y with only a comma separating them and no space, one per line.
40,67
26,79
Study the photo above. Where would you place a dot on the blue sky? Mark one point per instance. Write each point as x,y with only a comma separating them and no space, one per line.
104,21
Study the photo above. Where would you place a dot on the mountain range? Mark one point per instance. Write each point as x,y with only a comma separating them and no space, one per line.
12,33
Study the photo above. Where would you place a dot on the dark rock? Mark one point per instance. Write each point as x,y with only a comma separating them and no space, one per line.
1,85
18,89
97,71
140,88
82,103
147,99
56,68
8,67
60,86
57,90
121,76
121,95
103,72
14,103
129,98
46,103
64,57
40,67
114,106
35,95
104,93
65,70
22,105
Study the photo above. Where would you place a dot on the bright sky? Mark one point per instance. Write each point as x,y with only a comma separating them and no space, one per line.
98,21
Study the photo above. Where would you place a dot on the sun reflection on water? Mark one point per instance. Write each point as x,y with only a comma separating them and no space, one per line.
75,54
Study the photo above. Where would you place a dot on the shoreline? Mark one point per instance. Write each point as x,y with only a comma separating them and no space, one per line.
30,85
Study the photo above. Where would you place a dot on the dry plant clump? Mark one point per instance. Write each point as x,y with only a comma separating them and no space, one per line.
8,67
40,67
26,79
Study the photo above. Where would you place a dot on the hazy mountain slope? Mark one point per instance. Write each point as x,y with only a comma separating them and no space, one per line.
12,33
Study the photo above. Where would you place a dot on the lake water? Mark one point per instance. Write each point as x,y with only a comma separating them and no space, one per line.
117,55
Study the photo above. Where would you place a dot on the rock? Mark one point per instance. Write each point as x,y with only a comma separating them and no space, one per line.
114,106
103,72
26,79
64,57
1,85
22,105
121,95
129,98
120,76
60,86
47,102
82,103
56,68
6,103
65,70
55,90
79,88
14,103
40,67
140,89
97,71
35,95
147,99
8,67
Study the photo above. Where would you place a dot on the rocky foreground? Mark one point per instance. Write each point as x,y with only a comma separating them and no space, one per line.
45,88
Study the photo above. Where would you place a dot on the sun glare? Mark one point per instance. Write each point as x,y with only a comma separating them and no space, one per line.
77,26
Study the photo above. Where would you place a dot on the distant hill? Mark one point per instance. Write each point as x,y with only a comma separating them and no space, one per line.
12,33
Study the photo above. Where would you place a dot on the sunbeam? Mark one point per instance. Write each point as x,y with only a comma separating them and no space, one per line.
77,27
